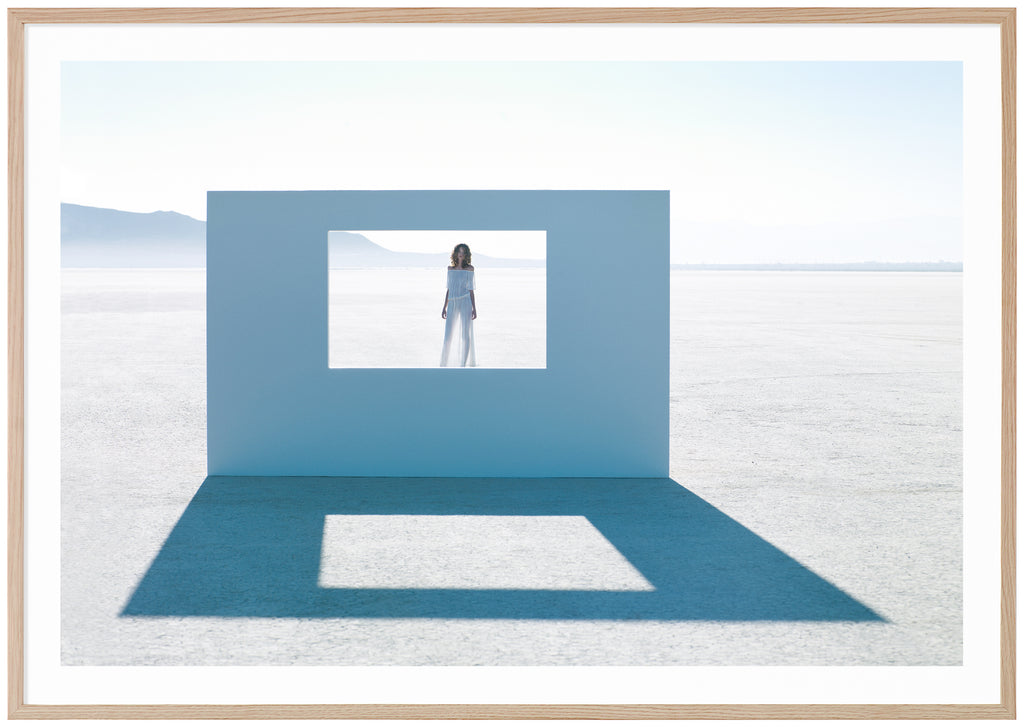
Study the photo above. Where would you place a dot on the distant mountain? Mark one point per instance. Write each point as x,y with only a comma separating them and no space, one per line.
78,222
352,250
98,237
94,237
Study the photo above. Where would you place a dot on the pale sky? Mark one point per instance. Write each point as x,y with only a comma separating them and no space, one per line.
821,161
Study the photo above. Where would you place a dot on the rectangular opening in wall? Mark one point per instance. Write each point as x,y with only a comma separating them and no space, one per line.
388,289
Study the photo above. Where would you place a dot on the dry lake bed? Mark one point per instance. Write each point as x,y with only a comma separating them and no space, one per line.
816,416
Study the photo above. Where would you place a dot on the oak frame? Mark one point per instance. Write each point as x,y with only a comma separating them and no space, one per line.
18,18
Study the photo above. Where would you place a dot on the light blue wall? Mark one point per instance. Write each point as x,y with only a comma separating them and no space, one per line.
599,409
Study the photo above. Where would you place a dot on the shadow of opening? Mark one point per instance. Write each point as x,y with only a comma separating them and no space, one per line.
251,546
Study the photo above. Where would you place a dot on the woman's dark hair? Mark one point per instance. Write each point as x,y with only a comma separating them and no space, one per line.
455,255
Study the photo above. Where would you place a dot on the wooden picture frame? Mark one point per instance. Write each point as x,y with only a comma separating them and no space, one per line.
20,19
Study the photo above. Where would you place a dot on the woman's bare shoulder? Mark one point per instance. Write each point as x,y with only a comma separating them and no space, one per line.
470,267
451,267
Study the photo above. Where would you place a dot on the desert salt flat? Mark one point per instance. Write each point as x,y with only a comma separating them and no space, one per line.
821,411
391,318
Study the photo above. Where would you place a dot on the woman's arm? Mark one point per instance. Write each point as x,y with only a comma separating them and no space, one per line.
472,299
444,308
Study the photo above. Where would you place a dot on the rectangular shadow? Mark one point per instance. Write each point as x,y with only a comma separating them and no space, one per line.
250,547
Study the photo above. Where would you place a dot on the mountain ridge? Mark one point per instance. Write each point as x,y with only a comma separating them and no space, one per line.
104,238
79,223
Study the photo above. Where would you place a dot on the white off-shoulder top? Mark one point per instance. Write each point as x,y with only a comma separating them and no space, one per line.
460,282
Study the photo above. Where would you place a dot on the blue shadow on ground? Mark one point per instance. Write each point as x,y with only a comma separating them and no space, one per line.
250,547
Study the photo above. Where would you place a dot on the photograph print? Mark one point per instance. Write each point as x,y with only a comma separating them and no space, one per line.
761,281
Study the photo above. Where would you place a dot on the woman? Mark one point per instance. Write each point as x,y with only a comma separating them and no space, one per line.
458,348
